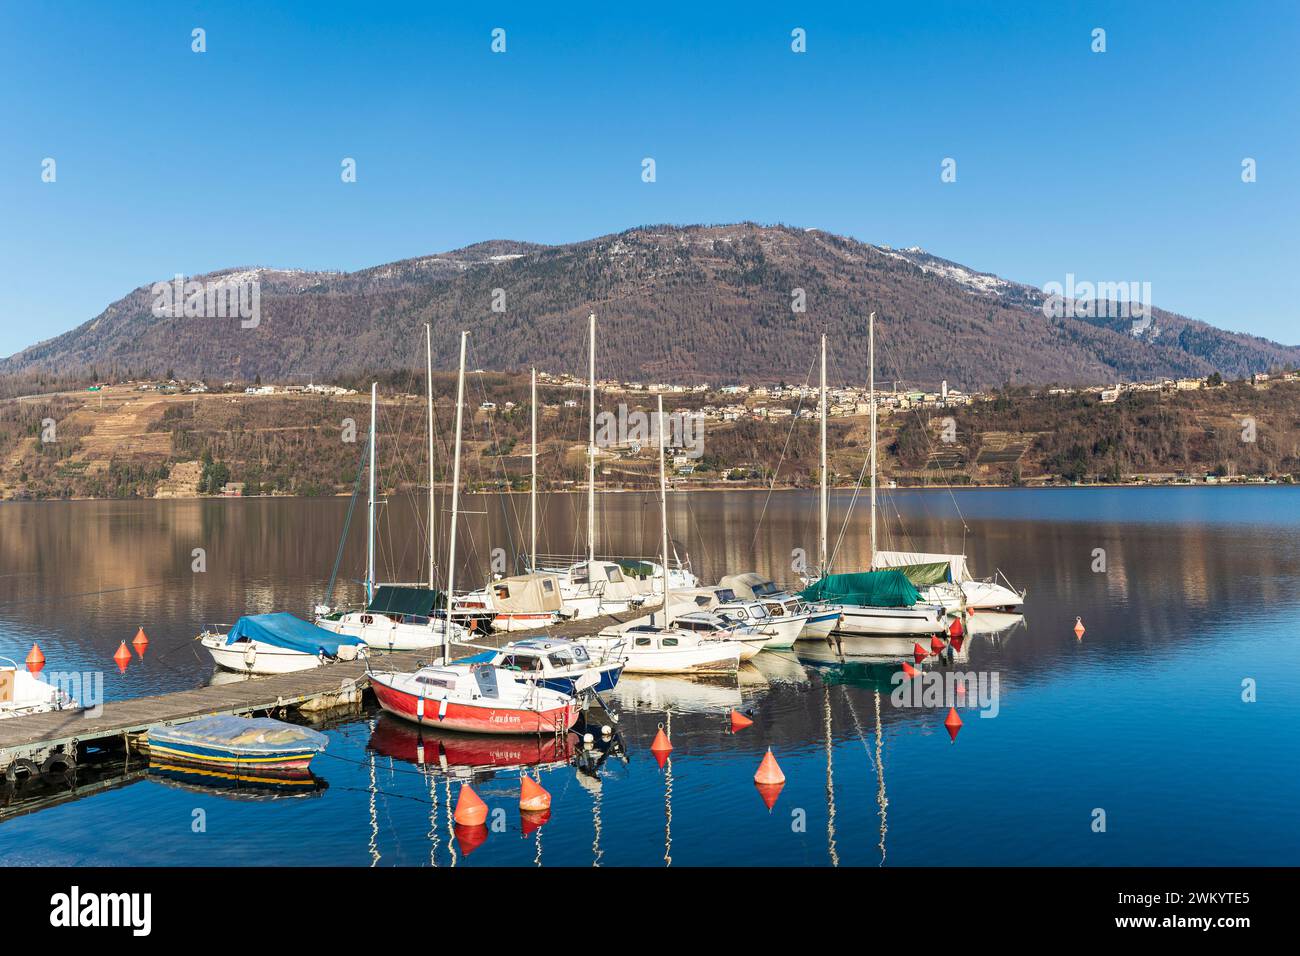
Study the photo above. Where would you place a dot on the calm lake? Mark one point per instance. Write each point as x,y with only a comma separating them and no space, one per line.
1173,718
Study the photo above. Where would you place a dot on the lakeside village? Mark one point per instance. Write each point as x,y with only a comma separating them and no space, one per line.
768,403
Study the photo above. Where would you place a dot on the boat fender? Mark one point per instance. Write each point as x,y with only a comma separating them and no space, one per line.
250,655
442,709
21,767
419,707
58,763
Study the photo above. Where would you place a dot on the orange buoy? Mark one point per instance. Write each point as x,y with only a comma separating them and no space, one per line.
936,644
1078,627
533,820
35,659
122,657
955,629
769,772
470,811
919,652
909,670
141,639
739,721
470,838
661,742
768,792
952,722
532,795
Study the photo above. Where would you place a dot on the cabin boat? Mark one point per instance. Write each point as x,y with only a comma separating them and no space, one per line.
779,605
22,694
518,603
236,744
593,588
397,618
721,626
556,664
477,698
651,649
277,644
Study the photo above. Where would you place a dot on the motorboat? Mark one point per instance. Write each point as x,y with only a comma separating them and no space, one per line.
552,663
652,649
475,698
22,694
785,612
236,744
277,644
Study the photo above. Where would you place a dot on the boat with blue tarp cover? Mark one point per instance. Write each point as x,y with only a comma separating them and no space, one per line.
277,644
236,744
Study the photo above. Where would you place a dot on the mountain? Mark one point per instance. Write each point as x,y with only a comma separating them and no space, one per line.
675,303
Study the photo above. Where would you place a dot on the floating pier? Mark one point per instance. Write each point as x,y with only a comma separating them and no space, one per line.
33,741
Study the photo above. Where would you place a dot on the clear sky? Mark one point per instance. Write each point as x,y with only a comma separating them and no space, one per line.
1115,166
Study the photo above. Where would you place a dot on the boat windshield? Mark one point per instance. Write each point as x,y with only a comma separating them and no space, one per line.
521,662
561,658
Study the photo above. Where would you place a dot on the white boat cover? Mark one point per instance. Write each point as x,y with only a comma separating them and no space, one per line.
748,586
900,559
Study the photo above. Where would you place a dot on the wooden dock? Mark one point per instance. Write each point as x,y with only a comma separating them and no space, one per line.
35,738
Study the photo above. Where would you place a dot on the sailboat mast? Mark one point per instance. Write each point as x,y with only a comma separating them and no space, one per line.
370,501
871,379
591,452
455,498
824,557
532,499
428,357
663,507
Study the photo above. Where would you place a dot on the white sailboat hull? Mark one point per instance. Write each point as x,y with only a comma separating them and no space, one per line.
990,596
386,634
920,619
254,657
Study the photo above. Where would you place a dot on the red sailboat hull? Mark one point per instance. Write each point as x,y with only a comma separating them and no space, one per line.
478,718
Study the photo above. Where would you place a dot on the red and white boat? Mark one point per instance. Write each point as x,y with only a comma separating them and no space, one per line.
473,698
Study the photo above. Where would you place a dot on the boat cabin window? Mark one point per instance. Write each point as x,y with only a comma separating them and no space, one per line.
642,642
668,642
561,658
701,601
579,575
521,662
725,595
614,574
767,587
548,585
792,607
775,610
503,591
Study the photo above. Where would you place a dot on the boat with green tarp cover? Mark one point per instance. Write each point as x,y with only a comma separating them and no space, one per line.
398,617
881,605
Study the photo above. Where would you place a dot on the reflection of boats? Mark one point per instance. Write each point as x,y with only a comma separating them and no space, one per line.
239,744
662,692
468,752
22,694
781,668
276,644
237,786
993,625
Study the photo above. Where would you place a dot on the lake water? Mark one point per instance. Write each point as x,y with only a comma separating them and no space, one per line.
1143,720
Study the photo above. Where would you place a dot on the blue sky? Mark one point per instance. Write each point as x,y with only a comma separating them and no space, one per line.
1118,166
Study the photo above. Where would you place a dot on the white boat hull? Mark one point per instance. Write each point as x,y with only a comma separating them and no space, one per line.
990,596
692,660
920,619
386,634
254,657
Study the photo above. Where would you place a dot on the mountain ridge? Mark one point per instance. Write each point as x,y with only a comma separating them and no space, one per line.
678,303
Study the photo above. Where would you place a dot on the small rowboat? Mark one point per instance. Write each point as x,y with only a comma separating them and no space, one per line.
237,744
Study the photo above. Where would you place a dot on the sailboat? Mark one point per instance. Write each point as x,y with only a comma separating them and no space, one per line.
881,606
396,617
594,586
662,648
524,601
476,697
